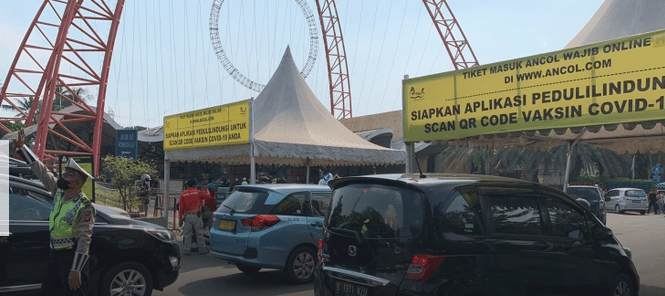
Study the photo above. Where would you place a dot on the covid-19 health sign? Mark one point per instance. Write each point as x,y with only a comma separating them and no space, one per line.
617,81
215,126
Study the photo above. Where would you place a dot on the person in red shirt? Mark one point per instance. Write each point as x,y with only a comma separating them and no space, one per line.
191,203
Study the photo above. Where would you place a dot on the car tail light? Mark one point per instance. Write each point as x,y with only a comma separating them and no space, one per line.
422,266
319,253
260,222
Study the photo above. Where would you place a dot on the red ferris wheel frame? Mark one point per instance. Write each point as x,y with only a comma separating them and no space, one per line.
451,34
65,47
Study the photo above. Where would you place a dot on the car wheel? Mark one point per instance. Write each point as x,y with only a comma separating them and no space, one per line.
300,265
618,209
248,269
127,278
622,286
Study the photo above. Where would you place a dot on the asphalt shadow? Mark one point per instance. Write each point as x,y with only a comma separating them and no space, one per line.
265,282
651,291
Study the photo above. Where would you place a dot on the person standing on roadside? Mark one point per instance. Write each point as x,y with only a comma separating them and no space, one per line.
70,224
659,201
189,210
652,200
143,190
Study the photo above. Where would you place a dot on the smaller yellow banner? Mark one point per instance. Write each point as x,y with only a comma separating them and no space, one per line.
216,126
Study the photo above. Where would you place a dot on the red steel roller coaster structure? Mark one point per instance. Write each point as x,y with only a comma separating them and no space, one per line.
73,49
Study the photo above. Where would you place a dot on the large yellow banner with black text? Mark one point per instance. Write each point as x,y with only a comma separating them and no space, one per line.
216,126
621,80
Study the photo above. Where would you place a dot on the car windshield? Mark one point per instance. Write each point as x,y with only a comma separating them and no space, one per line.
376,211
590,193
243,202
635,193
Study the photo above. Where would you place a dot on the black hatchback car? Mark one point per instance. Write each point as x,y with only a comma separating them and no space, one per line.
593,195
465,235
126,255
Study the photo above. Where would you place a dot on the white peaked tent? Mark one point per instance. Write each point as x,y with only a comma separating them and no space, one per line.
621,18
292,127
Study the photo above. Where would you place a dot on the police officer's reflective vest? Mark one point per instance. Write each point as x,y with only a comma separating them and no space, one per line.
63,220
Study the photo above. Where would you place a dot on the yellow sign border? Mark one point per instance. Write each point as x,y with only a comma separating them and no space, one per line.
222,125
616,81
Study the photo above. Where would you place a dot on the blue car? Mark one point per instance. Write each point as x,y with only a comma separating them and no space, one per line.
271,226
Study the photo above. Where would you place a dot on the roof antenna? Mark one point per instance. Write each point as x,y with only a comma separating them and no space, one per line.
419,170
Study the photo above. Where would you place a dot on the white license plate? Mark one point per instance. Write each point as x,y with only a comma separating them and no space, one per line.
346,289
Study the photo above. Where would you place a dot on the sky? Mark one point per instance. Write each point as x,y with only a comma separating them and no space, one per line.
164,62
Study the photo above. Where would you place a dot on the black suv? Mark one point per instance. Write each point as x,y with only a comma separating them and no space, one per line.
126,255
465,235
593,195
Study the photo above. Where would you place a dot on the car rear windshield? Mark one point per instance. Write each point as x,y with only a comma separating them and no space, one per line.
635,193
250,202
376,211
590,193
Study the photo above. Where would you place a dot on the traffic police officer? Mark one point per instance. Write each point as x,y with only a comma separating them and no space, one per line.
70,225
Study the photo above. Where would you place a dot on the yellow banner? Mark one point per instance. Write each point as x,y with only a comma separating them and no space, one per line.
216,126
617,81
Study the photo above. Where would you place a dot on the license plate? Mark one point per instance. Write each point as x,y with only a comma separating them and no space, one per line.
637,201
228,225
346,289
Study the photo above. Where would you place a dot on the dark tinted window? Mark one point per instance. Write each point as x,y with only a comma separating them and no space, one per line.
244,202
635,193
566,220
588,193
293,204
27,205
461,215
376,211
515,215
320,204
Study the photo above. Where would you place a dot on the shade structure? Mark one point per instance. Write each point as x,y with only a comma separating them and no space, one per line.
292,127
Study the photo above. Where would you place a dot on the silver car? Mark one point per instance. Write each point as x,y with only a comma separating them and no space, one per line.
627,199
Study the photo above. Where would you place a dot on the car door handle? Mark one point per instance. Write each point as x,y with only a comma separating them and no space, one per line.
318,224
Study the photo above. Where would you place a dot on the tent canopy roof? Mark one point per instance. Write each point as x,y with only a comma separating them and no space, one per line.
292,127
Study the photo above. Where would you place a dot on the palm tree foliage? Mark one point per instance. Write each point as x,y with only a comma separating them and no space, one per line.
587,159
59,103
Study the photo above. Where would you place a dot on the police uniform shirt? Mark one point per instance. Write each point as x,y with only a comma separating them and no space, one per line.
86,218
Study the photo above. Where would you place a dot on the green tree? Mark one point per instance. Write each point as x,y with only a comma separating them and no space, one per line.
122,172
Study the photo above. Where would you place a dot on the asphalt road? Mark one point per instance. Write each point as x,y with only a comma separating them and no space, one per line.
203,276
645,236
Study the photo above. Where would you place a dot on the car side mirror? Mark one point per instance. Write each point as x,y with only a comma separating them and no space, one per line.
608,198
602,233
583,202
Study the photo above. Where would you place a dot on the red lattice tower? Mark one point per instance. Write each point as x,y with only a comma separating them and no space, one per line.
60,50
338,69
458,47
453,38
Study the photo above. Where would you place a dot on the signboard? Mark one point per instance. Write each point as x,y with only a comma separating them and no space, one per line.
657,170
216,126
126,143
617,81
